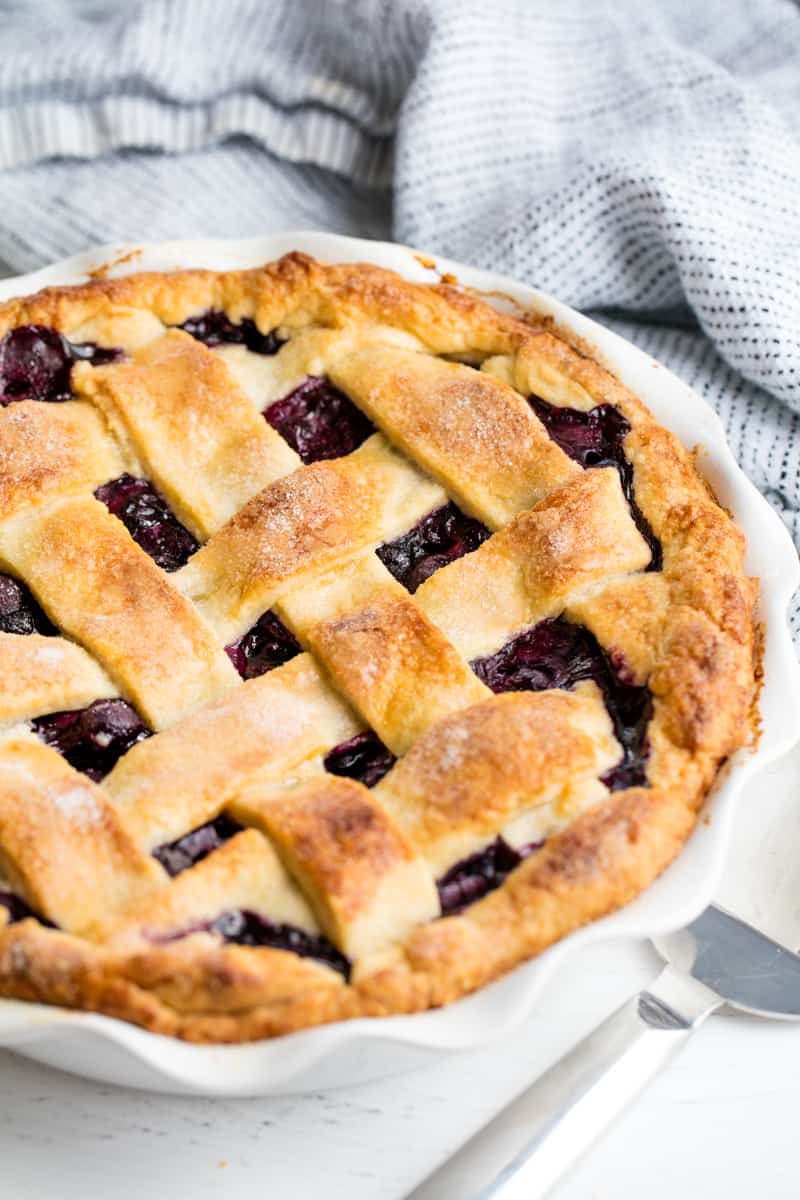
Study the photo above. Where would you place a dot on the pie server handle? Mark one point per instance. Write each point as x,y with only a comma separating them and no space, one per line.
532,1142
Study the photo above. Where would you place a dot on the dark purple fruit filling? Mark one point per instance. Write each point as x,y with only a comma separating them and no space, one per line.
149,520
214,328
473,877
444,535
363,757
35,363
594,439
246,928
18,910
268,644
92,739
318,421
19,612
192,847
557,654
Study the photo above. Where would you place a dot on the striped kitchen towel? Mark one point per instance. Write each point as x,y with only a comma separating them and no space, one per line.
640,161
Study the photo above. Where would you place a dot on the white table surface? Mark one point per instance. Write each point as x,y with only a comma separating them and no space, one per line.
721,1122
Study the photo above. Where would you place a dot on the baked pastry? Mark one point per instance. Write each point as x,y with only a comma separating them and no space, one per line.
357,641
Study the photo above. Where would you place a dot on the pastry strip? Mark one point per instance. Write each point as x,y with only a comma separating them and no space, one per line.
318,516
579,535
186,420
473,433
63,846
99,587
179,779
534,755
47,674
366,883
394,665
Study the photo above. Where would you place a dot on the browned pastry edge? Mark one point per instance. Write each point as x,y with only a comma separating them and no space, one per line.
702,685
202,992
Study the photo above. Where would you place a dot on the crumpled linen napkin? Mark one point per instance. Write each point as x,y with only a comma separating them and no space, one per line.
640,161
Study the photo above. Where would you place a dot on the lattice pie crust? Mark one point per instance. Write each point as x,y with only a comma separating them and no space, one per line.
457,629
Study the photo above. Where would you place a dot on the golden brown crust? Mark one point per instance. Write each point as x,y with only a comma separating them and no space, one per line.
289,537
364,879
391,662
579,534
103,590
473,433
47,674
472,774
52,450
62,843
266,726
198,438
244,873
300,525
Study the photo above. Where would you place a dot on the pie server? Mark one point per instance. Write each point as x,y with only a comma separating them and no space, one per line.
530,1144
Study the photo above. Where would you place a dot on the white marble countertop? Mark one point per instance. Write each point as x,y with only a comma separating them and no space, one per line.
721,1122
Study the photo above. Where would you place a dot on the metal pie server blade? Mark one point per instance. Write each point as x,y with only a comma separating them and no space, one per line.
743,966
524,1150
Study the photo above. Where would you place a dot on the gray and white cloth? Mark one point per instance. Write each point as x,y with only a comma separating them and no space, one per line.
640,161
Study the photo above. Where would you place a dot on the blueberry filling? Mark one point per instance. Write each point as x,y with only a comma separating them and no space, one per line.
92,739
149,520
251,929
268,644
594,439
18,910
192,847
19,612
35,363
318,421
558,654
444,535
245,928
473,877
363,757
214,328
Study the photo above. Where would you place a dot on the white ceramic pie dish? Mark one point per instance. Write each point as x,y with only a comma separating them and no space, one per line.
351,1052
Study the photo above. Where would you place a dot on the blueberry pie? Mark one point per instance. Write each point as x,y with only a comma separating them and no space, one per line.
357,641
